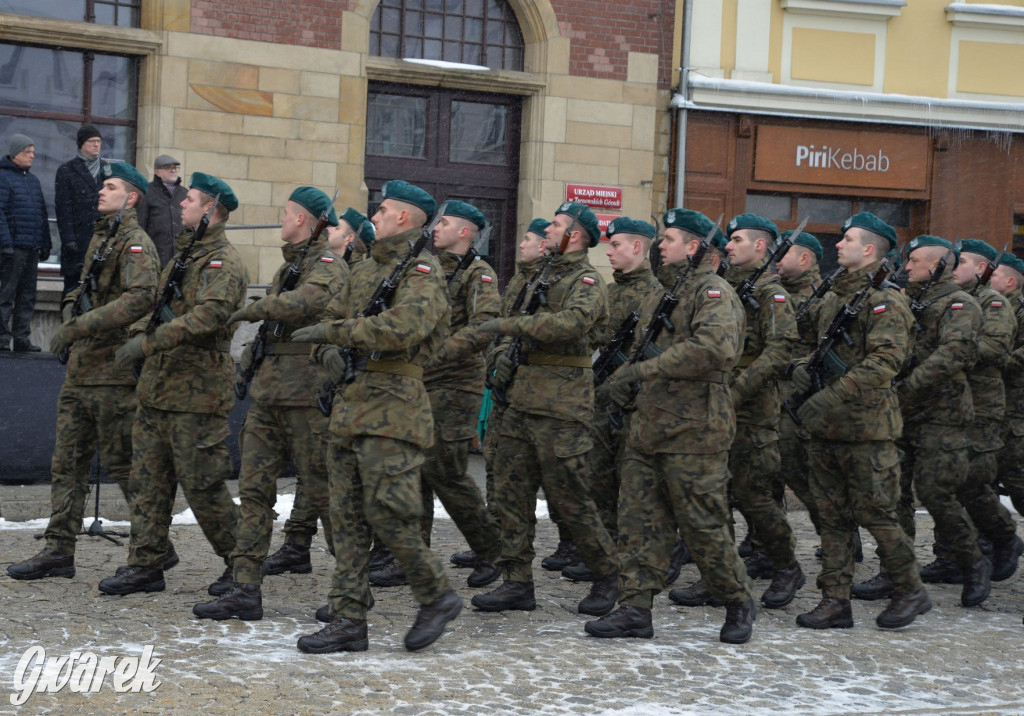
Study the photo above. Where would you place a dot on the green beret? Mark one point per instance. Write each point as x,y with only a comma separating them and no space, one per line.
314,201
925,240
454,207
720,242
751,221
808,241
867,220
1012,261
625,225
687,220
124,170
362,226
584,217
403,191
209,184
975,246
539,227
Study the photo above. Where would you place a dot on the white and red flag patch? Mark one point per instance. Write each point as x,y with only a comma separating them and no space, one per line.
486,279
587,280
714,293
956,306
880,308
327,259
216,263
135,249
422,268
780,298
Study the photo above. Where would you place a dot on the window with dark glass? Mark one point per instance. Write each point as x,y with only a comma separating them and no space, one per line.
474,32
124,13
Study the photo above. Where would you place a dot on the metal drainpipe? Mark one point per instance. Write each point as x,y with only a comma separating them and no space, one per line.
684,81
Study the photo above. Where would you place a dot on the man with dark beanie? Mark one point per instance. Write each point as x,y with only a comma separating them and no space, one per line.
76,194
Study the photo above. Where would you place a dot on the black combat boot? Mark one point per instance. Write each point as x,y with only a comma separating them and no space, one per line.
680,556
223,584
739,622
759,566
604,592
784,586
831,613
171,558
878,587
134,579
288,559
466,559
1005,557
977,583
48,563
564,555
904,609
579,572
391,574
431,620
339,635
696,595
485,573
746,547
244,601
379,556
624,621
942,571
508,595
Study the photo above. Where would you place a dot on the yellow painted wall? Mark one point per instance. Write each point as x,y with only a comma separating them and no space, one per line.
728,36
831,56
984,68
917,51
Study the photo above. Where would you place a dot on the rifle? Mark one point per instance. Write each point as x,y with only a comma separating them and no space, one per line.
825,363
291,278
746,289
917,305
724,266
985,276
467,259
83,302
614,354
654,255
377,304
817,292
661,320
538,298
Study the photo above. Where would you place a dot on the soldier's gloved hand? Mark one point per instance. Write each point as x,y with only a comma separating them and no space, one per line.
620,385
131,352
67,312
801,379
503,369
737,397
334,364
248,357
500,327
311,334
62,340
242,314
814,408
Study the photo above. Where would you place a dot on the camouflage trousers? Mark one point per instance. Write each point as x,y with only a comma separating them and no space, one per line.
665,492
537,451
858,485
90,419
796,469
189,449
754,465
490,450
604,458
934,466
301,525
375,485
1010,462
270,437
444,473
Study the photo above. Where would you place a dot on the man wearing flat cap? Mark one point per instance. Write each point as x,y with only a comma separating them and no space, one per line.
381,425
185,394
544,435
96,407
160,210
76,190
283,423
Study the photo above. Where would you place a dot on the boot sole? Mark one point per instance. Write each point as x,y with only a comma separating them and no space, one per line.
518,606
925,608
67,572
154,587
1013,559
449,618
359,645
645,633
737,640
841,624
476,584
253,616
780,605
294,568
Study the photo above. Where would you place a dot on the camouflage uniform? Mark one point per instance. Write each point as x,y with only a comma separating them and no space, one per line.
754,455
544,437
624,296
97,405
1011,456
675,465
455,389
792,438
937,413
185,395
381,424
284,421
854,462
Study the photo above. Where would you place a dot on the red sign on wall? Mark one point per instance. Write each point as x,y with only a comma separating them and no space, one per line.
594,196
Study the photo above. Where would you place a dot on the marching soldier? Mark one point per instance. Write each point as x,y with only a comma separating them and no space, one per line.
1008,279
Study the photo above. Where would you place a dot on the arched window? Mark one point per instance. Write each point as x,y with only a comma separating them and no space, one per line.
474,32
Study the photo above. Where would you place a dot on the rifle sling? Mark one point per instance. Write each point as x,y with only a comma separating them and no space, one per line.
288,348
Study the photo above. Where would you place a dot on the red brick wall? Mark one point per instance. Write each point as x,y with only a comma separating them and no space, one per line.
604,32
314,23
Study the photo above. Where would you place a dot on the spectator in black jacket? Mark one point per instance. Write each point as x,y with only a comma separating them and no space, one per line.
77,192
159,211
24,242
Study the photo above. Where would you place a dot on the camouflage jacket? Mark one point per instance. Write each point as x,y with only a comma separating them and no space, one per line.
936,390
995,341
125,291
570,325
406,334
684,404
880,334
1013,371
189,367
285,379
626,293
800,289
769,344
473,295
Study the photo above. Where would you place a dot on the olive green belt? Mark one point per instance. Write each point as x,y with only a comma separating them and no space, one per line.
393,367
288,349
535,358
745,361
212,345
712,376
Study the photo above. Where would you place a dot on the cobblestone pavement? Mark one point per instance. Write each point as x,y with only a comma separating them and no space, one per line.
952,660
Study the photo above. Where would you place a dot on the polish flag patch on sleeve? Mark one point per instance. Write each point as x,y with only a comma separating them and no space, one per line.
780,298
327,259
486,279
880,308
216,263
587,280
996,304
714,293
136,249
422,268
956,306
